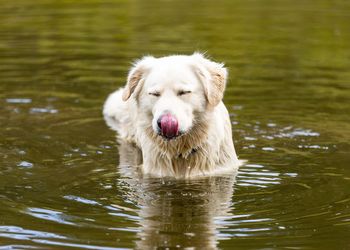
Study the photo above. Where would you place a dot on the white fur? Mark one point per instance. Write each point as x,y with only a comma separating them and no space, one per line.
206,146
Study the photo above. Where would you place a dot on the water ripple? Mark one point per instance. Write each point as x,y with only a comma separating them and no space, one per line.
18,100
81,200
20,233
50,215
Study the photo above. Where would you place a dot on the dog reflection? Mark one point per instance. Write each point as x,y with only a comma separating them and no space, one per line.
176,213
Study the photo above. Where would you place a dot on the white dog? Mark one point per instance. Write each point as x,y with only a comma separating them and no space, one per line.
172,109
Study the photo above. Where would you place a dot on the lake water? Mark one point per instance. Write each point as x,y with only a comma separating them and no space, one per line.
288,96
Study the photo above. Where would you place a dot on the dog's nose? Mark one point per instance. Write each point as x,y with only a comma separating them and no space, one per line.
159,123
168,126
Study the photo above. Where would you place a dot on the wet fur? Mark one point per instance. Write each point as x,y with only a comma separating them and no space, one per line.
200,151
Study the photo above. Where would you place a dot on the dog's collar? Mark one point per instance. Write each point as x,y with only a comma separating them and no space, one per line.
192,152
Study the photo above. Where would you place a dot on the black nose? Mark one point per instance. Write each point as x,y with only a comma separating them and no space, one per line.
159,123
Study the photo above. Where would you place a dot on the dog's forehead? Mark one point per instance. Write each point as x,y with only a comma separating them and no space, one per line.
172,70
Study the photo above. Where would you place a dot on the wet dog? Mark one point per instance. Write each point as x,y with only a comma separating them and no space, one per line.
171,108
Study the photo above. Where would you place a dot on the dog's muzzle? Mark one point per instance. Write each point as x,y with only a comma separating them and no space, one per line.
168,126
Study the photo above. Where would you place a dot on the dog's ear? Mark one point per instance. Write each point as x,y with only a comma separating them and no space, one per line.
213,76
136,74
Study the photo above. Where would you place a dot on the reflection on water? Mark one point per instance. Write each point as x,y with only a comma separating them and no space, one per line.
65,183
174,213
184,215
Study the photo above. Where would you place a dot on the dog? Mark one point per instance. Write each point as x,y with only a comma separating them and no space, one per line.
171,108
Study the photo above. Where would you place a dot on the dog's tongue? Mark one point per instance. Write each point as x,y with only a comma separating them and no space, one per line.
169,126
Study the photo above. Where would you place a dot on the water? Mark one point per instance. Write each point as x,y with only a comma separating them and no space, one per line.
288,96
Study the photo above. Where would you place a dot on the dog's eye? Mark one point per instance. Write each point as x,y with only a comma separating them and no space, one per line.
183,92
154,93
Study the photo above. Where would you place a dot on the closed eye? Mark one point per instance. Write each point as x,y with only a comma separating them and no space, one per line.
154,94
183,92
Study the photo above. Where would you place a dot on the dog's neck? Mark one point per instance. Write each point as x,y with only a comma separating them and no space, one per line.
192,152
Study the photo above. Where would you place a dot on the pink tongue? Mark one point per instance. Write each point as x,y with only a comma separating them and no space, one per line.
169,126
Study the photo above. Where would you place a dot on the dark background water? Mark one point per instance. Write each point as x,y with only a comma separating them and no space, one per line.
288,96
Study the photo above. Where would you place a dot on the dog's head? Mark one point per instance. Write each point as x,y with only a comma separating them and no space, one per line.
172,91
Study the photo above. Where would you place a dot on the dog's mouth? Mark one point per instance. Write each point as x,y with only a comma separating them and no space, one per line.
171,137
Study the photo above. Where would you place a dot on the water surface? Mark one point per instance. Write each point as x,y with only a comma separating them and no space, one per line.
288,96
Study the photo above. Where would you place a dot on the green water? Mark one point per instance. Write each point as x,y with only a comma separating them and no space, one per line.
288,96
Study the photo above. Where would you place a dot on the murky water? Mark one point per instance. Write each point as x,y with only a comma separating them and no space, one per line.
289,92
